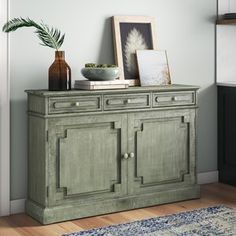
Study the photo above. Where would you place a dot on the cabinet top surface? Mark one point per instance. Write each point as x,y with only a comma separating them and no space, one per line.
166,88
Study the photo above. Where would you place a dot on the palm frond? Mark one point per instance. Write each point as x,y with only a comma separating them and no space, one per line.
50,37
16,23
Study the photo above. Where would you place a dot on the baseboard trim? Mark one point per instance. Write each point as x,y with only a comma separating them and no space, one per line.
18,206
208,177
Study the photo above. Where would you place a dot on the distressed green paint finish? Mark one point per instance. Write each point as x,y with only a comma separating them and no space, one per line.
164,144
80,149
95,152
74,104
37,104
73,211
37,157
126,101
173,99
166,140
81,174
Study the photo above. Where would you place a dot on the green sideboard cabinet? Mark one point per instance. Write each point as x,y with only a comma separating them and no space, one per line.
96,152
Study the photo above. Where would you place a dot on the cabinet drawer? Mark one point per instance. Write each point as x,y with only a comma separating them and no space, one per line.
173,99
126,101
74,104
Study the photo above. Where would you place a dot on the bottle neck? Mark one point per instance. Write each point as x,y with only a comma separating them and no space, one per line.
59,55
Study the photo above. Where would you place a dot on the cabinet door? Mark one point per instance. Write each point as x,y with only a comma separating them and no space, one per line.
227,134
163,143
85,158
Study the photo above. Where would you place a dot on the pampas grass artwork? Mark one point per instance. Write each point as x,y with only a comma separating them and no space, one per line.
134,41
131,33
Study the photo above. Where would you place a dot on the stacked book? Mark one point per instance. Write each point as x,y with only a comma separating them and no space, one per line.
96,85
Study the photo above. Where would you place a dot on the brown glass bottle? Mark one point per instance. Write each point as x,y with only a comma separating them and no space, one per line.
59,73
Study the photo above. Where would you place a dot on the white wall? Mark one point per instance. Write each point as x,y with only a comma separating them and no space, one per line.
185,28
4,116
226,46
226,6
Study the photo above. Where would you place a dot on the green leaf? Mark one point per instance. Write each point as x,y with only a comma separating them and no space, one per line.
49,37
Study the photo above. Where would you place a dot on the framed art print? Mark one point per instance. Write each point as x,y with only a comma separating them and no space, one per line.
131,33
153,67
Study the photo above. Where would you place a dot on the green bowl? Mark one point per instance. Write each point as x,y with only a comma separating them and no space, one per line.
99,74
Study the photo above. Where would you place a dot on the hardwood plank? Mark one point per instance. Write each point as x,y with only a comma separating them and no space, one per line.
92,222
7,228
23,225
226,22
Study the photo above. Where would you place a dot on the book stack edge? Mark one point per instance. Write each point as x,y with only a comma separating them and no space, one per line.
96,85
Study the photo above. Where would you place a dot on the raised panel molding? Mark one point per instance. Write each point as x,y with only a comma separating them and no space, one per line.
76,173
162,161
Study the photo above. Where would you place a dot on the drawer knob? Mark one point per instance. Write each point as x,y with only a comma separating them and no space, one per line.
174,99
126,156
156,99
55,105
131,155
76,104
127,101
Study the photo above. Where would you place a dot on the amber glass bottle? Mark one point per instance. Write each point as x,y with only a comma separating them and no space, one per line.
59,73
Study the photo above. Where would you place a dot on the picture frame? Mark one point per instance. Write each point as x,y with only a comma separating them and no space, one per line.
153,67
131,33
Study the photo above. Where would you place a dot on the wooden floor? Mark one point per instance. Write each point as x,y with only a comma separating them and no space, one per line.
21,224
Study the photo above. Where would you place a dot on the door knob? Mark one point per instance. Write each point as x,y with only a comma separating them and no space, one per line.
126,156
131,155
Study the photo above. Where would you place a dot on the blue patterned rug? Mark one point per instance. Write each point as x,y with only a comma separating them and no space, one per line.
211,221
